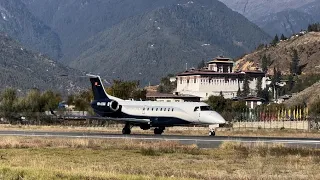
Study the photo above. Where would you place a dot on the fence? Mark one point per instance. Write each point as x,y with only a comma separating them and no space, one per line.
268,118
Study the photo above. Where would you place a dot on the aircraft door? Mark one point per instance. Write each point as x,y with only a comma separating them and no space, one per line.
197,112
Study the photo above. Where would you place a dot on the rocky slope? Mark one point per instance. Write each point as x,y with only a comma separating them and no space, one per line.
281,55
307,96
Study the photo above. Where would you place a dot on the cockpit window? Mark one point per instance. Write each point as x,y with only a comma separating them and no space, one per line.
206,108
196,108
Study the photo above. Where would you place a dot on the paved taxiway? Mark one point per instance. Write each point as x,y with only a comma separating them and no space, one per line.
201,141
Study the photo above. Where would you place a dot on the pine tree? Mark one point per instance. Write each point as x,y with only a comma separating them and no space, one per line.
201,65
275,40
239,92
264,63
295,63
290,82
259,87
246,88
283,37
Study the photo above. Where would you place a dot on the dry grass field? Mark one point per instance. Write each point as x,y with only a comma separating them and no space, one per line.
192,131
94,159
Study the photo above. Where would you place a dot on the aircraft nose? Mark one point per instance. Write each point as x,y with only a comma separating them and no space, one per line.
217,118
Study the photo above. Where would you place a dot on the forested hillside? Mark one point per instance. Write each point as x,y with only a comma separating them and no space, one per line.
23,70
149,46
142,39
17,21
278,17
280,55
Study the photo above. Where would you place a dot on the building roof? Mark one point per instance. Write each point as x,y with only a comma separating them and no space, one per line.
221,59
249,98
210,72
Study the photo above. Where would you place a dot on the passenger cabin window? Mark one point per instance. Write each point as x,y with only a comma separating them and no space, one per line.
206,108
164,109
160,109
196,109
157,109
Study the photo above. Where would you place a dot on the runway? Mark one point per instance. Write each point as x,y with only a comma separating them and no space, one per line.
201,141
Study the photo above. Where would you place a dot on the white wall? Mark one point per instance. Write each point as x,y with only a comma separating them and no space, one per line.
204,87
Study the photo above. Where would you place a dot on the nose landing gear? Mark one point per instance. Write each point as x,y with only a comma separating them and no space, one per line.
212,133
127,129
159,130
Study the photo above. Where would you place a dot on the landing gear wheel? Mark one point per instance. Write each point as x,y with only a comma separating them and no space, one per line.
212,133
158,131
126,129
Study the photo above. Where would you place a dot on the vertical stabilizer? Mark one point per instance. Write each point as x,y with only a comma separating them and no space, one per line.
99,92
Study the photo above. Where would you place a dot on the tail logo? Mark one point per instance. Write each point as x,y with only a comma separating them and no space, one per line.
97,84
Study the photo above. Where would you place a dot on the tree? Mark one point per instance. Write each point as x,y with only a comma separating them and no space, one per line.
201,65
166,86
315,107
295,63
51,100
127,90
259,87
217,103
246,88
275,40
264,63
7,105
283,37
239,92
290,82
314,27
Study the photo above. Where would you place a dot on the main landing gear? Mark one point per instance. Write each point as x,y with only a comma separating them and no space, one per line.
159,130
127,129
212,133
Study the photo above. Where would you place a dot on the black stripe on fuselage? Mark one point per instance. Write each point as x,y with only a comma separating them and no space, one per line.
155,121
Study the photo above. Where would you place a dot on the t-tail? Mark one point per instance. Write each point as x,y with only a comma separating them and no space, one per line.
99,92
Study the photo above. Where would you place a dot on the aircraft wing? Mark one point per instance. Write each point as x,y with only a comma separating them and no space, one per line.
73,117
134,120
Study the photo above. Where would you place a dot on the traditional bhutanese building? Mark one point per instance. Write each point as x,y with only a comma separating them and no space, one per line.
217,77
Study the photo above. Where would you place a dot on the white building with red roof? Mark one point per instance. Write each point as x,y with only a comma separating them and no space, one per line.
219,76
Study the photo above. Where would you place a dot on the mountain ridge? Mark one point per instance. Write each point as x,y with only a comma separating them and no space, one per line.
17,21
168,38
23,69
